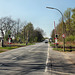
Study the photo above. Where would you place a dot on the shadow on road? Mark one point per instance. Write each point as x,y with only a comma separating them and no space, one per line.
57,65
26,68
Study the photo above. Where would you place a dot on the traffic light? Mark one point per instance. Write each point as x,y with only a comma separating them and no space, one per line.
9,39
9,36
56,35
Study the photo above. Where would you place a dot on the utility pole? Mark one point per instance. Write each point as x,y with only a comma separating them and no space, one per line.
56,36
27,38
24,34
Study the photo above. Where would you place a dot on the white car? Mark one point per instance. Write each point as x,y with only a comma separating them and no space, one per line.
46,41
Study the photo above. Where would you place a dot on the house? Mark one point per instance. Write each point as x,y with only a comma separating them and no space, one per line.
1,37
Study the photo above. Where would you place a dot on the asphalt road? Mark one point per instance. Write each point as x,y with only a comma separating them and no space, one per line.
38,59
24,61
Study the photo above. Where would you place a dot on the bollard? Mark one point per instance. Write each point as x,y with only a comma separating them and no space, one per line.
70,48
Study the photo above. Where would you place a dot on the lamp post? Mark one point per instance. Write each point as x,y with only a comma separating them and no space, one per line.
62,27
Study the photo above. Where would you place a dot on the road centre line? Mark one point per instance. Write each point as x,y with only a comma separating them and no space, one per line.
46,68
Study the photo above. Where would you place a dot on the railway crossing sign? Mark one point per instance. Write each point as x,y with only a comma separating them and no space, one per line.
63,35
9,40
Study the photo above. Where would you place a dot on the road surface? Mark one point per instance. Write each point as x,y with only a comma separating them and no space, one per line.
38,59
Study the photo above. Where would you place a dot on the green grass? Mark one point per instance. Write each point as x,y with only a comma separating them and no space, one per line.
69,50
22,44
8,48
58,49
1,51
68,45
52,44
31,43
61,49
27,44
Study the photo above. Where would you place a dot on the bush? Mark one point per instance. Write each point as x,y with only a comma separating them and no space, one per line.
70,38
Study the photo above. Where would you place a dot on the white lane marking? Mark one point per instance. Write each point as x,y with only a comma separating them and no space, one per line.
46,68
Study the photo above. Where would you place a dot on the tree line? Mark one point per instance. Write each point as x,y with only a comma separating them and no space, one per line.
69,26
20,31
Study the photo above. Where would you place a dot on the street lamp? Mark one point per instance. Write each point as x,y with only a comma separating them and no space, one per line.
62,23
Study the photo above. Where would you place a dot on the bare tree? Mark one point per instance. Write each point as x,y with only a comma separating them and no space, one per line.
6,24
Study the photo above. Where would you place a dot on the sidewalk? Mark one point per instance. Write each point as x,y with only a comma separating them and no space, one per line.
70,56
61,63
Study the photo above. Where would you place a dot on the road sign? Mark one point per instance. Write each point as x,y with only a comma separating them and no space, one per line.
55,40
63,35
9,40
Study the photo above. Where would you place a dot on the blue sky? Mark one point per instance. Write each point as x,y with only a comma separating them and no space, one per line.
35,11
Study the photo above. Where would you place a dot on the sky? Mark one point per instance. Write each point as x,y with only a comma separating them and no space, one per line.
35,11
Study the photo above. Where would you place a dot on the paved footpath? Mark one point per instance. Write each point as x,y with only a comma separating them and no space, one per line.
70,56
60,63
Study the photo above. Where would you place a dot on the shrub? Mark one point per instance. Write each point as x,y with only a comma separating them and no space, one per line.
70,38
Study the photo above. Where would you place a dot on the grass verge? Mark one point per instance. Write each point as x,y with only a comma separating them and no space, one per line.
31,43
61,49
9,48
27,44
58,49
3,49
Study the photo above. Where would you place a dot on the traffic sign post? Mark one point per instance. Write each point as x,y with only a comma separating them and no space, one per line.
56,42
9,40
63,35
